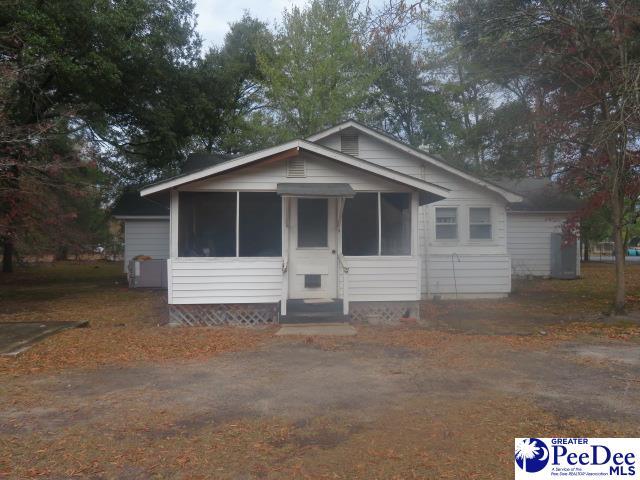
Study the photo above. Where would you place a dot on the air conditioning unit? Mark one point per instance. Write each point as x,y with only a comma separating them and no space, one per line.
148,273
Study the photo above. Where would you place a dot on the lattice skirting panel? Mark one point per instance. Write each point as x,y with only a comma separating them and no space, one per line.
383,313
248,315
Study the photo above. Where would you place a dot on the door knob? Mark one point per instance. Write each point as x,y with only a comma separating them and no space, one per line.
333,251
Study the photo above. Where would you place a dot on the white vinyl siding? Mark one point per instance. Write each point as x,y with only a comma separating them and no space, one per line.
468,275
225,280
145,237
529,242
382,278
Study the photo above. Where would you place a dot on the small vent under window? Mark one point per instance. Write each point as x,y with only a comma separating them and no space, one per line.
296,168
349,143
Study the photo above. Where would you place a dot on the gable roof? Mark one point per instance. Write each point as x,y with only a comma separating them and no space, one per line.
508,195
541,195
286,150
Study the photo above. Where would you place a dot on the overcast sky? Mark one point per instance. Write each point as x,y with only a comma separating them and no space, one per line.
214,16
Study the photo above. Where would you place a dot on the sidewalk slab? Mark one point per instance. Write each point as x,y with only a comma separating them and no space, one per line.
16,337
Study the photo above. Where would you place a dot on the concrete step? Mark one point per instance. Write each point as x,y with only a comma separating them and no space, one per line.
314,317
333,306
325,329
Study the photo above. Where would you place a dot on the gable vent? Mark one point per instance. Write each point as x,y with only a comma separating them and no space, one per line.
296,168
349,144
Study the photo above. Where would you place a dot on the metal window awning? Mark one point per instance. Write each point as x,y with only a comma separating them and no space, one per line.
316,190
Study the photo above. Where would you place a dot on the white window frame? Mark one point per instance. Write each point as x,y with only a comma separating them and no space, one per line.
486,207
457,224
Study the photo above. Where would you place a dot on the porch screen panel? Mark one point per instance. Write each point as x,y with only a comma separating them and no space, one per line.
360,225
207,224
395,216
260,224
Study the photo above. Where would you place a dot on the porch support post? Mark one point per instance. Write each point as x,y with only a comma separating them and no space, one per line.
345,293
173,224
341,269
285,256
379,225
237,223
415,250
169,281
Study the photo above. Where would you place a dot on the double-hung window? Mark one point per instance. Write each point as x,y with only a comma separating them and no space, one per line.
480,223
446,223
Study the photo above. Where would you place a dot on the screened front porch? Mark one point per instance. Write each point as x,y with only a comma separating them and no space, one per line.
316,242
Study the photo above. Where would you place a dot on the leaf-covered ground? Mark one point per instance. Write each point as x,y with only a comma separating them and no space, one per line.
126,398
125,324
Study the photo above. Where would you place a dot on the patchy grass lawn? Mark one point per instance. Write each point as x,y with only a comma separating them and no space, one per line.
591,293
127,398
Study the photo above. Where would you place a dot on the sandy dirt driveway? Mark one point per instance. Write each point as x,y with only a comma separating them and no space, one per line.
388,403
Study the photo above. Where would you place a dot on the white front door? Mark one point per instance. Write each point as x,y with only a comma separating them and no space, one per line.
312,248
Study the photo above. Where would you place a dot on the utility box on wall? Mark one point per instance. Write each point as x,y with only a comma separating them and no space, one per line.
564,258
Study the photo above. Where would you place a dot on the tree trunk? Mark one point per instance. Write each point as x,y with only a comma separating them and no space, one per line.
585,242
618,250
7,255
63,253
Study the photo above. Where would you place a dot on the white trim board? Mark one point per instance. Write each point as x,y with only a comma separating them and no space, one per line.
506,194
298,145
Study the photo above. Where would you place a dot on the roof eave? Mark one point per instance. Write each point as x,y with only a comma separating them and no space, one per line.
228,165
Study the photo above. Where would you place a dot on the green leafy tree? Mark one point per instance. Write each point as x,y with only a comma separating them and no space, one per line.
230,91
116,74
407,103
318,74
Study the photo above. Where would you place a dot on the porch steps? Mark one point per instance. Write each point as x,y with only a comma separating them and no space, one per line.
314,312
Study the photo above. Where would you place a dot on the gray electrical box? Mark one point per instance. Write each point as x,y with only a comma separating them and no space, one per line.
564,258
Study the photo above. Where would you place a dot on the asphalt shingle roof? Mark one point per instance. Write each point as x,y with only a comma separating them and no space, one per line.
131,204
540,195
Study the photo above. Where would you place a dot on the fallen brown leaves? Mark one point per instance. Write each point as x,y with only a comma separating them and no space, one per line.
425,437
616,331
125,325
87,347
441,349
466,434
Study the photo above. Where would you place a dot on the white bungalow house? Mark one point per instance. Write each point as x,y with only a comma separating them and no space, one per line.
348,221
